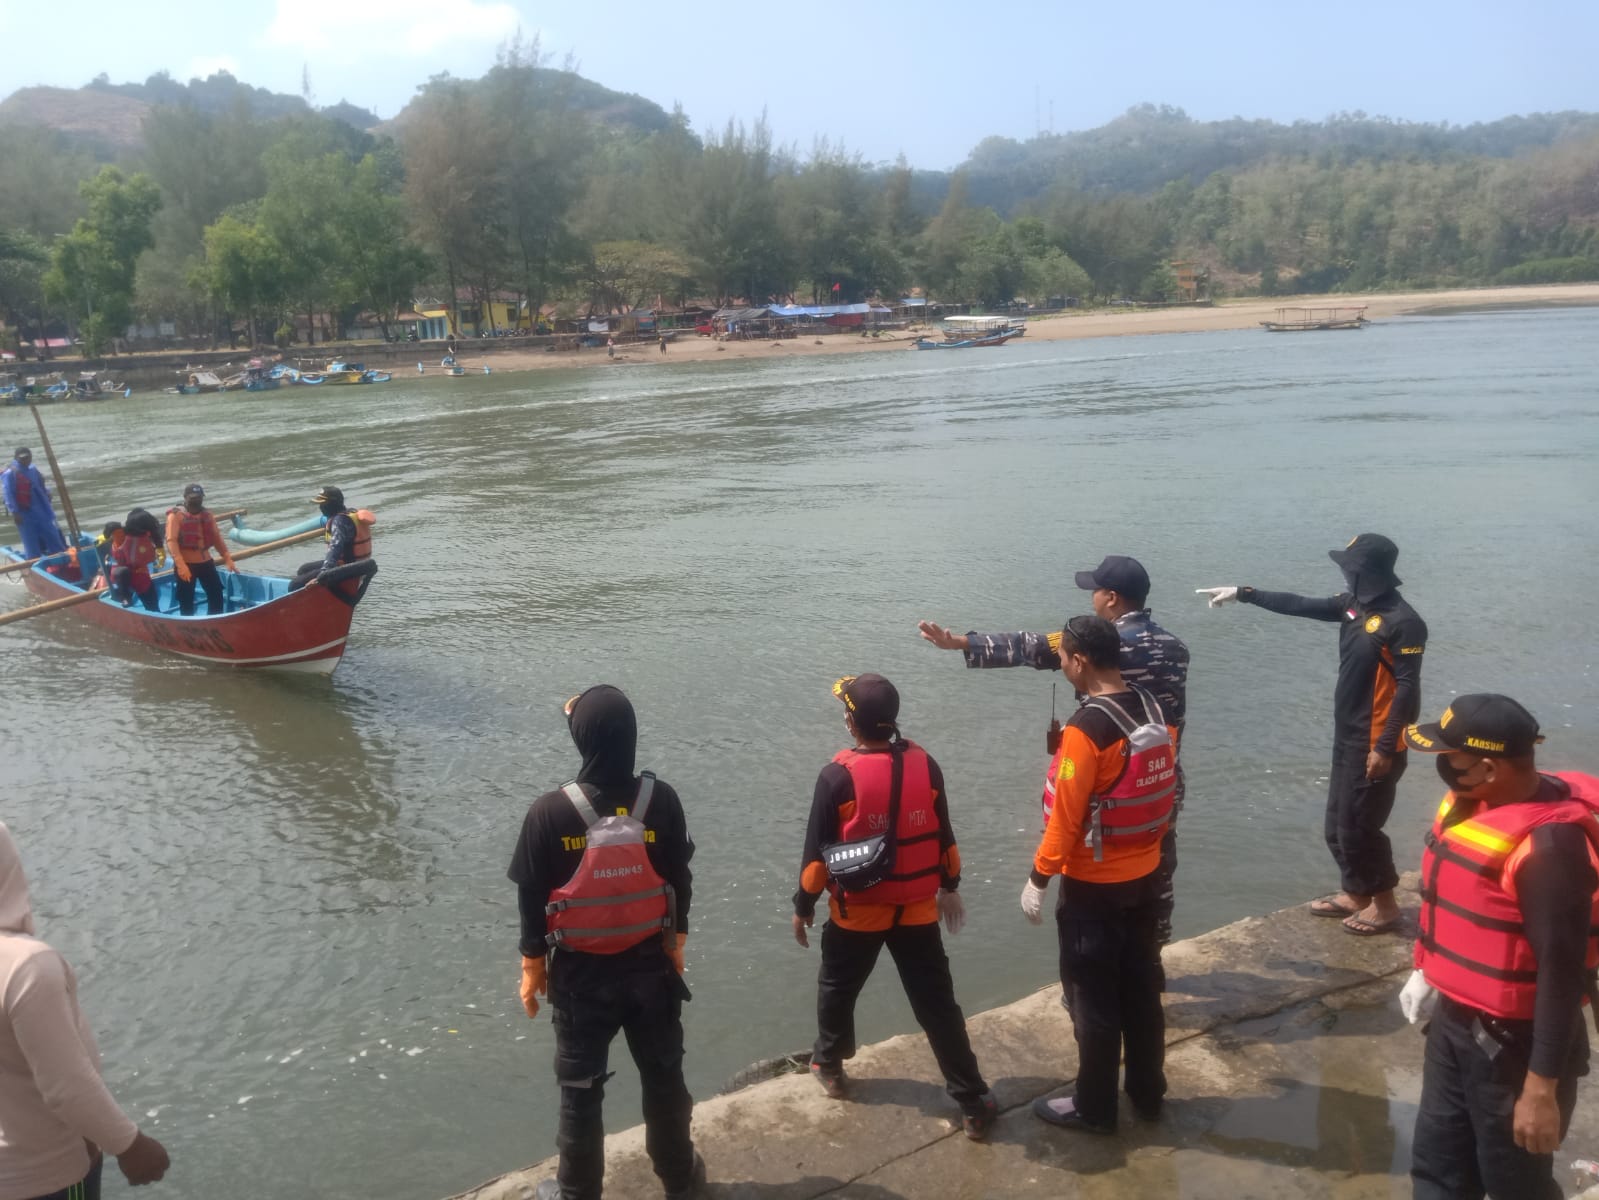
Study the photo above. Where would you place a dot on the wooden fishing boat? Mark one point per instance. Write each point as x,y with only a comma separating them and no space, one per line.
966,329
455,370
993,339
1306,320
265,626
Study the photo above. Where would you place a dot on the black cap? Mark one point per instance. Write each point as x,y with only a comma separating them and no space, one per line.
329,493
194,489
1371,555
1120,574
20,451
872,700
1483,723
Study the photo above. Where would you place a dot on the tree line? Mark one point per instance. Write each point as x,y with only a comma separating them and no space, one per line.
524,183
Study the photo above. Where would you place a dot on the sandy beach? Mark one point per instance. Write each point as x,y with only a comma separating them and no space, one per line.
1228,314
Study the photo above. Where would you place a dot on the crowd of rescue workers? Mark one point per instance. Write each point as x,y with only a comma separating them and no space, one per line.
1504,957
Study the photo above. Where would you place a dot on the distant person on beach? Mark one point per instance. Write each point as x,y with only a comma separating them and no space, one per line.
663,343
1380,644
610,347
191,536
56,1116
28,501
1509,909
1152,658
879,842
1114,786
348,536
604,887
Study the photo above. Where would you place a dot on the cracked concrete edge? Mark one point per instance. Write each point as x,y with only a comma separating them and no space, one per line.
785,1136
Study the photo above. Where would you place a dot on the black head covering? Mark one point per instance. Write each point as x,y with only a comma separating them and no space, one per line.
1368,566
605,732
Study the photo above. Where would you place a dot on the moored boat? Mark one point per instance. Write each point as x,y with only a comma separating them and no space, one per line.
993,339
1307,320
265,626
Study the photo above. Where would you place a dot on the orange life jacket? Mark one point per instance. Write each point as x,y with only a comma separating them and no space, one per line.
135,553
915,873
363,520
197,533
1472,946
615,899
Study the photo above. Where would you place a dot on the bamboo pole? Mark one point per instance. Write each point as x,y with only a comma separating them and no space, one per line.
95,593
55,471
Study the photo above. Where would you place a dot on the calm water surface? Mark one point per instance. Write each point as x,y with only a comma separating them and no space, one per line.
286,897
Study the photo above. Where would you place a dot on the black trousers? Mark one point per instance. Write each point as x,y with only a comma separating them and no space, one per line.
848,956
1357,810
306,573
205,574
122,590
593,997
87,1188
1111,982
1463,1148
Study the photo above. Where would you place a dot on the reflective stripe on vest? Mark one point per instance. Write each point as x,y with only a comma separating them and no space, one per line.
1472,946
915,874
1139,803
621,897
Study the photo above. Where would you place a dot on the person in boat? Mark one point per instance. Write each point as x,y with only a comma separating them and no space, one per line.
56,1115
1112,798
348,535
1507,947
1381,640
1151,658
127,552
609,955
882,804
191,535
28,502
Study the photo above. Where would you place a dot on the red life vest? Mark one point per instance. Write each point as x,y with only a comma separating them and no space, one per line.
915,873
24,486
615,899
1138,805
1472,946
135,553
197,533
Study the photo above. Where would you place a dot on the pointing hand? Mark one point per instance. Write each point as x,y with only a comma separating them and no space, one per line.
1218,595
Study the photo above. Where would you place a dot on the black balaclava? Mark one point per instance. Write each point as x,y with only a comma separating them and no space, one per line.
605,732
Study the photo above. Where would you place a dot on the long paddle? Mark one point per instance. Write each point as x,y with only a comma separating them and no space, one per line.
28,562
95,593
55,471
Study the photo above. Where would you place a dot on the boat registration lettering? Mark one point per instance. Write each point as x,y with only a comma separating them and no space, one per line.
200,638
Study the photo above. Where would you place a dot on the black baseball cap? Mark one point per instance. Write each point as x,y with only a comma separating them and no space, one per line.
1120,574
329,493
1483,723
194,489
872,700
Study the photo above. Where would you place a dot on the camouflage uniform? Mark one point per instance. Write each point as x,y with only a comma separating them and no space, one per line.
1151,658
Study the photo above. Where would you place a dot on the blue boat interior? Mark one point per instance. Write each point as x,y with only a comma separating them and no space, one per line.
239,591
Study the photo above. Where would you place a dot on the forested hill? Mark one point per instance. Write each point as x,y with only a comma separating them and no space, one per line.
1149,146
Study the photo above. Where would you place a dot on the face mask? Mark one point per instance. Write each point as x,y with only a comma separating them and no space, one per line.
1452,775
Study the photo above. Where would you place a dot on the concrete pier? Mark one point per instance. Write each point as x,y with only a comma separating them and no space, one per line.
1292,1073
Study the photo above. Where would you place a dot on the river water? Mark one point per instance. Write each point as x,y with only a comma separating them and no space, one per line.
285,897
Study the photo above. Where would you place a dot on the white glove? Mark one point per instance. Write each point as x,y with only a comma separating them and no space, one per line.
1218,596
1417,998
952,911
1033,902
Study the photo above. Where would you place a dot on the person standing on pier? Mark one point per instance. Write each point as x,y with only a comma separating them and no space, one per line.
28,502
1151,658
1506,952
191,534
1115,783
879,842
604,902
56,1116
1380,644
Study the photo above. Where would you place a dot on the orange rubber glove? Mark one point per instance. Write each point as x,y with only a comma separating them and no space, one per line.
676,953
535,983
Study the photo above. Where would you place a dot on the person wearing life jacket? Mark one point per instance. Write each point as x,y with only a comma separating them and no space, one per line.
604,890
886,794
1381,640
1151,657
1114,787
127,559
28,501
191,535
348,536
1505,956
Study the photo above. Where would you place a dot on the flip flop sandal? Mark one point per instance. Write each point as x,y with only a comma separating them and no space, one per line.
1361,927
1327,906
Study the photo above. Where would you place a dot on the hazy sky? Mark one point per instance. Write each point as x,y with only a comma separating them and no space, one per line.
928,81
